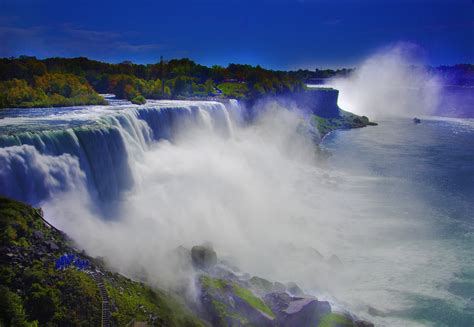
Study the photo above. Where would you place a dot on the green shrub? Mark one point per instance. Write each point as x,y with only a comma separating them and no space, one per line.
138,100
12,312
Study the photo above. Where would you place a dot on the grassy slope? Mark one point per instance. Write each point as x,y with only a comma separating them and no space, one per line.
336,320
215,285
32,291
137,301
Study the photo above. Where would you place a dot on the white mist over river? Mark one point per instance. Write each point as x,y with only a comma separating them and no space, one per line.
392,82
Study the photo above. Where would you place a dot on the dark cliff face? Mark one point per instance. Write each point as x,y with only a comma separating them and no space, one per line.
320,102
318,107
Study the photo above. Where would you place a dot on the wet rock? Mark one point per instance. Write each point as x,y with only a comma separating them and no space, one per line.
260,285
226,303
279,287
375,312
363,323
294,289
223,272
297,311
278,302
203,257
306,312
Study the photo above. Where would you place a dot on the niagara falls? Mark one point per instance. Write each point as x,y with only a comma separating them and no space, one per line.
286,163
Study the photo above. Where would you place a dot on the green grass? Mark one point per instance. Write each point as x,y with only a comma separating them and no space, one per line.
222,287
252,300
225,314
325,125
17,222
335,320
138,100
213,283
347,120
234,90
136,301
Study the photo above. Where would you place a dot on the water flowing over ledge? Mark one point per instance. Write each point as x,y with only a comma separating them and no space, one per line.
43,151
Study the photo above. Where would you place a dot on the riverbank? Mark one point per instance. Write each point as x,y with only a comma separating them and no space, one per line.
346,121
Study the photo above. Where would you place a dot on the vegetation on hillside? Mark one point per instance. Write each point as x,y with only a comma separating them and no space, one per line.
34,293
347,120
48,90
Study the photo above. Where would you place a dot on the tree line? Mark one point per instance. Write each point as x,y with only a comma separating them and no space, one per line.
30,82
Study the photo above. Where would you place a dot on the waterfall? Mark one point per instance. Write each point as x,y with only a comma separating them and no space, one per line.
98,153
28,175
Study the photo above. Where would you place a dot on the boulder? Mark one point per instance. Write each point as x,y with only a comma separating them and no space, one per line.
223,272
306,312
226,303
297,311
278,302
203,257
260,285
279,287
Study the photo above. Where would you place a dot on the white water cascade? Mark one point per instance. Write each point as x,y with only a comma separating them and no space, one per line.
98,149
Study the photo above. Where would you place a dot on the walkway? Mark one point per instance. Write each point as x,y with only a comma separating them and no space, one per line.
97,276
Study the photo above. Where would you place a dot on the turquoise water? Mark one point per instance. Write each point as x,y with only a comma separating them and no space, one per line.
430,172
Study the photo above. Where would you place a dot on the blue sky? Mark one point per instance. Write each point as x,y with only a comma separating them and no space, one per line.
278,34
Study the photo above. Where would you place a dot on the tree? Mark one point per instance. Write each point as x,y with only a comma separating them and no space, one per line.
12,312
42,303
209,87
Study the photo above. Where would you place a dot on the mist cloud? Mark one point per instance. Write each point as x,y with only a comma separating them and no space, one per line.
392,82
